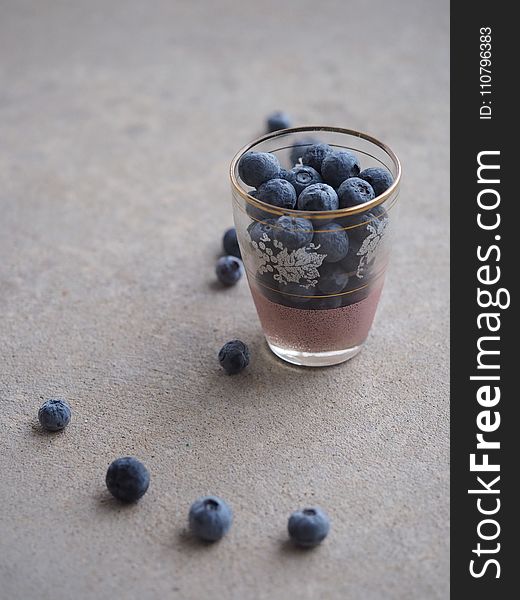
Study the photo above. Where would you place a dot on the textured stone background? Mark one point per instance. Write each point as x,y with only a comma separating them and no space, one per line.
117,124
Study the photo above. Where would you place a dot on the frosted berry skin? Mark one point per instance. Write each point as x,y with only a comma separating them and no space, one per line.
234,357
380,179
256,168
333,279
293,232
333,241
127,479
315,154
301,176
278,120
354,191
299,149
229,270
277,192
230,243
308,527
210,518
54,414
318,196
338,166
257,229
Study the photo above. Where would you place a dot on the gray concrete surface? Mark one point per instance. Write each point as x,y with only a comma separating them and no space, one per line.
117,124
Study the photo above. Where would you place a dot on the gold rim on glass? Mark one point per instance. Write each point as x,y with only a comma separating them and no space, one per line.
318,214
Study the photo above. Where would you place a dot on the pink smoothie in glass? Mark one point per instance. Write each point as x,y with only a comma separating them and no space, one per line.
324,330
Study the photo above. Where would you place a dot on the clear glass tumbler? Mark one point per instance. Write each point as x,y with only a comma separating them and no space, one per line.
315,310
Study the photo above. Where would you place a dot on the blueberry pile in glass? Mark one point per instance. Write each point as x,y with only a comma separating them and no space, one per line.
342,249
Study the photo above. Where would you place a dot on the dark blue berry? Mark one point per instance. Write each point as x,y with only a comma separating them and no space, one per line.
332,241
298,150
301,177
229,270
257,229
278,120
210,518
318,196
308,527
54,415
354,191
293,232
338,166
255,168
234,357
277,192
294,294
314,155
127,479
230,243
329,302
379,178
333,278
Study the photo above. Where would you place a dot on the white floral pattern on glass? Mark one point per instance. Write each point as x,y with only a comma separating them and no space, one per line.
368,249
295,266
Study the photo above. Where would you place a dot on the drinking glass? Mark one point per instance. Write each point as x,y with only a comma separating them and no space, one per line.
314,309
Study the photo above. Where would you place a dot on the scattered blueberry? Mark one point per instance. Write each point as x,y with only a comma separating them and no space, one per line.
338,166
308,527
301,176
230,243
354,191
298,150
54,414
229,270
318,196
127,479
234,357
332,241
257,229
314,155
277,192
293,232
380,179
333,278
210,518
278,120
255,168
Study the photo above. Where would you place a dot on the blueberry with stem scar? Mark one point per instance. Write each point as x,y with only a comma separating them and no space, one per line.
229,270
338,166
308,527
210,518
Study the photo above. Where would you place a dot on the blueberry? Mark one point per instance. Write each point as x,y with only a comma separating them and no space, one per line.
277,192
234,357
314,155
298,150
229,270
308,527
294,294
257,229
333,278
333,241
278,120
318,196
255,168
338,166
210,518
354,191
293,232
230,243
54,414
301,177
379,178
127,479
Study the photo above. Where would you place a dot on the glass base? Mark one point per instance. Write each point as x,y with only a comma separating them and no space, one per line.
314,359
